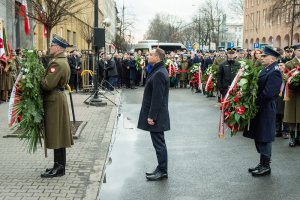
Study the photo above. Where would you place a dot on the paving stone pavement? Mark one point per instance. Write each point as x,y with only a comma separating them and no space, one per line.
20,171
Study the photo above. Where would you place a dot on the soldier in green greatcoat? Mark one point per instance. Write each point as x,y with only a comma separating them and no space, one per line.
57,120
292,106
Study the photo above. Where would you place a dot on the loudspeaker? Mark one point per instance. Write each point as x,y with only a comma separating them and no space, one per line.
99,37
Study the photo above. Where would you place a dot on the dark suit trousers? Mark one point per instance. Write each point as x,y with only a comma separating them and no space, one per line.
264,148
159,144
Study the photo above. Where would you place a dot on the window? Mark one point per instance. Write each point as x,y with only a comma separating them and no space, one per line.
258,19
252,2
68,36
264,17
252,20
257,2
61,31
74,38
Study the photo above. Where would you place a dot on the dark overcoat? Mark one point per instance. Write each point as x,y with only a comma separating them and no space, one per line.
155,100
56,111
263,126
225,75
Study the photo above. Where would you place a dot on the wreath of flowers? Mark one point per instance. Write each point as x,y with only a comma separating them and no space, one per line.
194,73
28,109
240,106
138,63
210,79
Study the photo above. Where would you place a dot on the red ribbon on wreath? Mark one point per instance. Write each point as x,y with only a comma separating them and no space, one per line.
225,103
291,74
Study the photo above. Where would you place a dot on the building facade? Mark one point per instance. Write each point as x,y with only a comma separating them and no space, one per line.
260,28
70,29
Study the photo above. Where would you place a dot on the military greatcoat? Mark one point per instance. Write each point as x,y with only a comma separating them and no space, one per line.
262,126
292,106
57,119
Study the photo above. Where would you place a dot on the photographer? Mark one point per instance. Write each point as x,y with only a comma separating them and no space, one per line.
112,72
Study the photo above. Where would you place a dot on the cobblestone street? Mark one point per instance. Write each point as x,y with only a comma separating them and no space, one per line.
20,171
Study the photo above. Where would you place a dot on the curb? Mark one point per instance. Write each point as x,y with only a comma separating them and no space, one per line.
97,176
79,130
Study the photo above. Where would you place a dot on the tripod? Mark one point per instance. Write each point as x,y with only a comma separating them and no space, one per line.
104,83
97,86
89,99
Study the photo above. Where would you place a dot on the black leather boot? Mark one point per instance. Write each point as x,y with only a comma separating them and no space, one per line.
257,166
292,142
58,170
265,168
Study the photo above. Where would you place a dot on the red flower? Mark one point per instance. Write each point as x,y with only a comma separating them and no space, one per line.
19,118
240,110
227,114
234,127
236,99
286,71
298,68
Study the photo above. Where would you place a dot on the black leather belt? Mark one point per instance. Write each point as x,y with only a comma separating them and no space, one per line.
61,89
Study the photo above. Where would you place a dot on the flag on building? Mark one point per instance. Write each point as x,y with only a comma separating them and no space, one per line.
23,13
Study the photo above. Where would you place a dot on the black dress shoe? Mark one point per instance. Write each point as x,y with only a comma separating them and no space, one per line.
151,173
58,170
292,142
262,171
254,168
157,176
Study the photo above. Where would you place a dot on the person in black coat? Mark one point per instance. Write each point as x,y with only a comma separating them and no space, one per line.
227,71
154,114
262,127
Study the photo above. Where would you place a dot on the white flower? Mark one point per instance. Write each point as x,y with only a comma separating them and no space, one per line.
23,77
243,63
26,70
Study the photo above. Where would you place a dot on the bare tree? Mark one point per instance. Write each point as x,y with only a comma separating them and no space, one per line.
126,24
289,10
212,14
52,12
237,6
86,30
164,28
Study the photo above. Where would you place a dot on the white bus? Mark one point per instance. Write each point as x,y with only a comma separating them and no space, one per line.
147,45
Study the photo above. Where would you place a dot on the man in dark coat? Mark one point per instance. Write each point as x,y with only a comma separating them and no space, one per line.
57,125
263,127
227,71
154,115
75,66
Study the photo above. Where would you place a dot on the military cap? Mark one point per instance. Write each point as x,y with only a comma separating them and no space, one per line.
211,51
296,47
231,50
221,50
288,49
57,40
241,51
269,51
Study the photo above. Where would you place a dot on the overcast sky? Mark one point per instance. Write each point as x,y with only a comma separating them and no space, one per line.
145,10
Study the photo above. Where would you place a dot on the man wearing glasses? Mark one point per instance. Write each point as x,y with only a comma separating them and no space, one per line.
263,126
154,115
56,111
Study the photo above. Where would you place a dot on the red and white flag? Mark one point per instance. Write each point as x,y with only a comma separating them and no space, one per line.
23,13
2,50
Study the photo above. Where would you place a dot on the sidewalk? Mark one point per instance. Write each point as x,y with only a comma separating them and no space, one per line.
20,171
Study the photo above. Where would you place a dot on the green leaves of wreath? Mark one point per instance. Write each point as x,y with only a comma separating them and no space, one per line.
30,107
